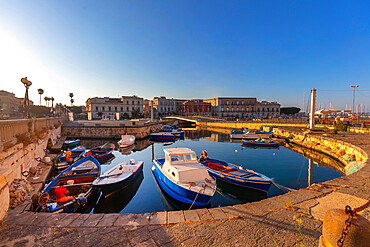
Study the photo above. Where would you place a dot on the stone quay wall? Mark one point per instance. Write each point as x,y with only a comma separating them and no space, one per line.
112,132
22,141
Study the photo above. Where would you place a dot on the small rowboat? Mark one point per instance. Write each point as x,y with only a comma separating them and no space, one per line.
71,143
79,178
160,136
76,154
102,153
118,177
261,143
126,141
237,175
174,131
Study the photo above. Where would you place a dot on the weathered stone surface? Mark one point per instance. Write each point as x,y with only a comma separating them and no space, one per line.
204,214
126,220
142,219
158,218
175,217
67,221
108,220
79,220
93,220
191,216
181,232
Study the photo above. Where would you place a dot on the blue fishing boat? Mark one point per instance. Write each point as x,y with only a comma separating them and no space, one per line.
261,143
237,175
160,136
182,177
102,153
77,153
71,143
118,177
79,179
175,131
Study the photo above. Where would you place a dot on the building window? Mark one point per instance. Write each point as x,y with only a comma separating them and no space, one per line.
103,108
138,102
109,108
237,109
96,108
138,108
127,108
242,102
227,109
115,108
133,102
242,109
237,102
227,102
121,108
128,102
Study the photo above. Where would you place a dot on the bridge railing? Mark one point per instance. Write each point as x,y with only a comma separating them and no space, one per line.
9,129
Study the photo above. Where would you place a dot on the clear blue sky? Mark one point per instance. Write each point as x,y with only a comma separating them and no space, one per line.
273,50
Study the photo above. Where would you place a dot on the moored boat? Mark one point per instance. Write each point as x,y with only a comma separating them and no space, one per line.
126,141
71,143
255,134
174,131
76,153
261,143
238,134
102,153
79,179
237,175
118,177
182,177
163,136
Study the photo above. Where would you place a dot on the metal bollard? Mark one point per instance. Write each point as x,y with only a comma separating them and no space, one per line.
358,231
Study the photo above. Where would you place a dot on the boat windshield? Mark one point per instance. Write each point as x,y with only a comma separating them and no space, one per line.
185,157
179,157
190,157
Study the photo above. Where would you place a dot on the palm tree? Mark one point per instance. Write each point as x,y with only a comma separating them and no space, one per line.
71,95
41,91
72,100
46,100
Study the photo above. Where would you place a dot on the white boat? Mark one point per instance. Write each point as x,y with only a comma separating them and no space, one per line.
255,134
181,176
238,134
126,141
118,177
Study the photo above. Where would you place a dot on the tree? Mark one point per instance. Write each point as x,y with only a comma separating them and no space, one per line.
46,100
72,100
40,91
135,113
289,110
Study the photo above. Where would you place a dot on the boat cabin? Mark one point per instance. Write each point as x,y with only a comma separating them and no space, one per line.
181,165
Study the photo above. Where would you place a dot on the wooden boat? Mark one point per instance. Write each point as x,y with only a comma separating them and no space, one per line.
76,154
261,143
102,153
71,143
118,177
182,177
255,134
174,131
237,175
160,136
238,134
126,141
79,178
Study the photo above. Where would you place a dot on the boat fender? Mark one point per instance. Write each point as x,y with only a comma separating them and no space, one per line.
81,201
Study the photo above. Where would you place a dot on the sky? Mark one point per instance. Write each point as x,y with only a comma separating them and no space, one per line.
272,50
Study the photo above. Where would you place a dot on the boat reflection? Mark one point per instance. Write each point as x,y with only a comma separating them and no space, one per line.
239,194
126,151
171,204
258,147
119,200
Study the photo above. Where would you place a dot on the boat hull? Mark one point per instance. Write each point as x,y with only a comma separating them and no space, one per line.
261,144
177,192
259,185
162,137
109,189
256,135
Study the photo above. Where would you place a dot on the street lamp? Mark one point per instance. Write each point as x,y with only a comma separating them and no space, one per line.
353,104
27,84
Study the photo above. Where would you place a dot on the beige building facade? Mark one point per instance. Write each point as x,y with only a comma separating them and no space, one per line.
10,105
164,106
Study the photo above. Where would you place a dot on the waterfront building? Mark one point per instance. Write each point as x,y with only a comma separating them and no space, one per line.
196,107
114,108
239,107
11,106
164,106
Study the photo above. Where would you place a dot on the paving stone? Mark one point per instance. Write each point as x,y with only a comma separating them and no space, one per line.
191,215
162,236
305,207
142,219
204,231
92,239
173,243
67,220
92,220
79,220
149,242
49,219
175,217
125,220
232,212
181,232
108,220
140,235
217,213
158,218
21,219
194,241
65,237
204,214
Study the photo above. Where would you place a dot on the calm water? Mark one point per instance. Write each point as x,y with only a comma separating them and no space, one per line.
289,169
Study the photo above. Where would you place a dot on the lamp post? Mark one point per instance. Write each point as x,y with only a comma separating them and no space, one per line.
27,84
52,105
353,104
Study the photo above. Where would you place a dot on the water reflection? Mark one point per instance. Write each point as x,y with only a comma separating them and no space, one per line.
119,200
242,195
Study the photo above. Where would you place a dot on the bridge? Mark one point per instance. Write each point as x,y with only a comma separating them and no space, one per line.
193,119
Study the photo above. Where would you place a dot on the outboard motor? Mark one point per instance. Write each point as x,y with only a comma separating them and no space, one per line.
81,201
